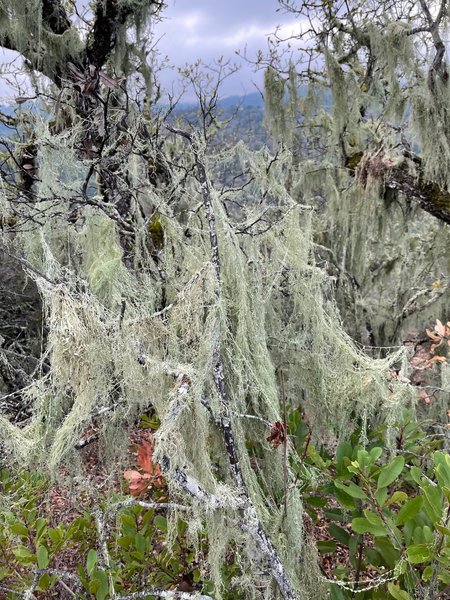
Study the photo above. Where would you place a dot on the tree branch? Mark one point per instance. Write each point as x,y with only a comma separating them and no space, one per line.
249,515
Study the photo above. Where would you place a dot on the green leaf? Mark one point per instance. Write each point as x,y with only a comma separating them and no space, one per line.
343,450
91,561
339,533
352,490
45,582
23,554
444,576
42,557
326,546
397,593
409,510
373,518
419,553
428,535
433,502
373,557
375,454
316,501
56,535
161,523
416,474
40,526
18,528
390,472
381,496
335,514
446,491
140,543
397,498
344,500
362,525
442,529
99,585
336,593
442,462
389,554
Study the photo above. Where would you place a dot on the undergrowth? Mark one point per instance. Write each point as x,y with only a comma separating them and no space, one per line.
379,519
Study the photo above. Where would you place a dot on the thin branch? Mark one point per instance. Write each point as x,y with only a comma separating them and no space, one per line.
249,514
163,594
27,265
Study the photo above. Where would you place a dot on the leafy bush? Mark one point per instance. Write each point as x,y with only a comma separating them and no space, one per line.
35,555
381,524
390,515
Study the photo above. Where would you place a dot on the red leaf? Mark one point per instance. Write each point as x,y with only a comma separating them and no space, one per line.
440,359
277,434
144,458
132,476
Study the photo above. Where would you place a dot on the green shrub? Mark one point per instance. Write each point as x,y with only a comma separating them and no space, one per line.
390,514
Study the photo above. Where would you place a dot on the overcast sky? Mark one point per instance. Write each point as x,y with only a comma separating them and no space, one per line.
208,29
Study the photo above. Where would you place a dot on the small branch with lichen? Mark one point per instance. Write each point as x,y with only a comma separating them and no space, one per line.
225,419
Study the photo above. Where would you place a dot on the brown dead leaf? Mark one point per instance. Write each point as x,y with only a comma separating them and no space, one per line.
277,434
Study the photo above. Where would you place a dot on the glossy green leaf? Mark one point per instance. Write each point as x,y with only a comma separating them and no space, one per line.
19,528
161,523
352,490
91,561
416,474
442,462
373,518
442,529
381,496
419,553
397,498
375,454
140,543
433,502
409,510
339,533
23,553
344,500
397,593
390,555
362,525
326,546
99,585
343,450
390,472
42,557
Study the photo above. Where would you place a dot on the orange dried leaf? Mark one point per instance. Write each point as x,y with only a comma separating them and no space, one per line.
132,476
440,359
144,457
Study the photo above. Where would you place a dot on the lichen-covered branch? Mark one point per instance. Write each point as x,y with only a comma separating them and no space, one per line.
248,513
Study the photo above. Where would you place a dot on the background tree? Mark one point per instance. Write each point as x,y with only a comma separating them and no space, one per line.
373,138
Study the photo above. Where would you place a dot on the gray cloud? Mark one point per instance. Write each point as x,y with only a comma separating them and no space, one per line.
208,29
